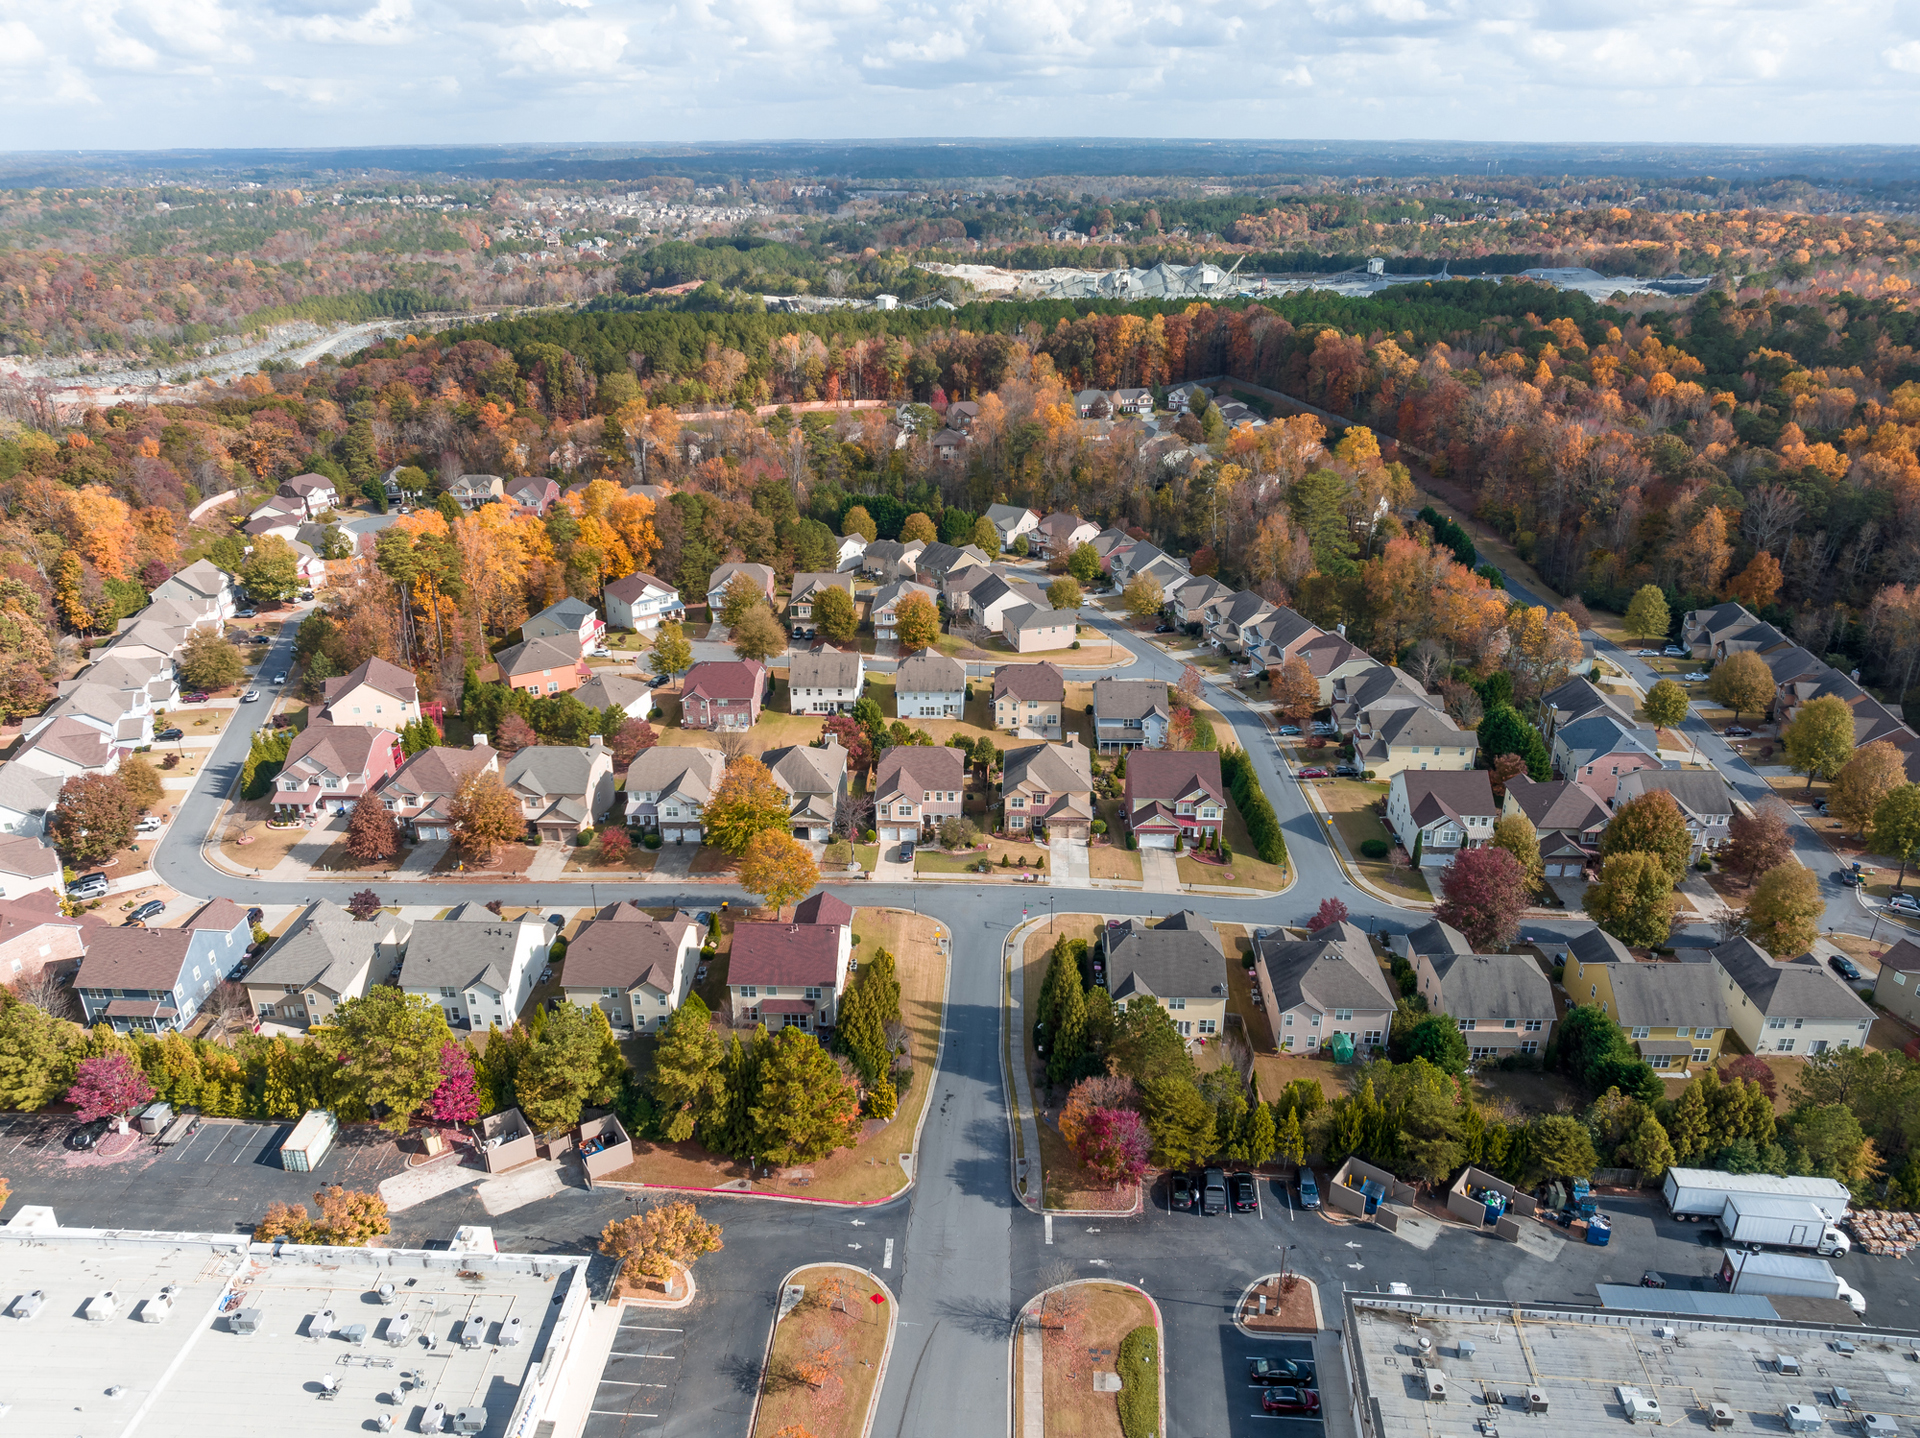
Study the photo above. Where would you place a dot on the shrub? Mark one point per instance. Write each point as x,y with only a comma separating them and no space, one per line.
1133,841
656,712
1255,808
1099,826
651,839
1179,843
1139,1369
873,836
1704,864
1074,645
583,838
1375,848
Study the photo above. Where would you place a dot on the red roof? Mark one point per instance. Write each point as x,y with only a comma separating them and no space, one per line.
776,954
725,679
823,908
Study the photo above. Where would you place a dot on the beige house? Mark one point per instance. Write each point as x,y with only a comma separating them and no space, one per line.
1048,787
1898,990
1029,696
634,967
1179,964
1675,1013
915,787
1326,985
325,957
1800,1007
562,788
35,935
1414,738
1502,1003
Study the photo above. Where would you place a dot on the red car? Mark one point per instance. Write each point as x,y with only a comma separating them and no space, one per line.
1290,1400
1313,774
194,698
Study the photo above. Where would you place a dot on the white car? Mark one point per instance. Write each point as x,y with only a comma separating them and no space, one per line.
280,678
149,824
1695,678
1904,903
252,696
1646,653
1674,651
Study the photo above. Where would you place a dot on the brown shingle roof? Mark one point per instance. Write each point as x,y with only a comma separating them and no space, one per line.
1171,774
725,679
622,952
1443,794
536,654
134,958
823,908
918,768
1042,682
340,749
800,954
387,678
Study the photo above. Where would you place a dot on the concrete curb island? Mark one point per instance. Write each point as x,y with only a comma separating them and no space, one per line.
1032,1406
880,1373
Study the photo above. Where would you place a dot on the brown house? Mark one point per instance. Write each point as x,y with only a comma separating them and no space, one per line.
1174,793
1048,787
783,975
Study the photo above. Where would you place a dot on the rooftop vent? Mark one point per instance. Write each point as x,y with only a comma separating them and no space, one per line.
469,1420
384,1293
244,1320
473,1332
320,1325
102,1306
28,1304
356,1334
510,1333
1787,1363
1841,1347
1536,1400
1435,1383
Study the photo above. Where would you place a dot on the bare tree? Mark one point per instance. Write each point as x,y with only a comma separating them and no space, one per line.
1061,1308
1428,662
44,990
734,743
1771,513
229,1004
853,814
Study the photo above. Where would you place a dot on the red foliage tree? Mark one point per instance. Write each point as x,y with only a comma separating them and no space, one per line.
457,1099
853,738
515,734
1485,890
1749,1066
372,833
109,1086
364,904
1114,1145
632,739
1331,911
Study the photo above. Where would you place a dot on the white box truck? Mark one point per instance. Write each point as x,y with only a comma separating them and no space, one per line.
1703,1192
1779,1223
1789,1276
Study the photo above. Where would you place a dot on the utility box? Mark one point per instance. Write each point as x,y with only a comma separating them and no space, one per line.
1720,1415
1536,1400
1639,1407
1804,1418
244,1320
307,1145
1435,1384
154,1117
1879,1425
102,1306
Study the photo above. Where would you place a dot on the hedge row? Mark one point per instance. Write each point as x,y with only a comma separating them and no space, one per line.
1140,1382
1263,826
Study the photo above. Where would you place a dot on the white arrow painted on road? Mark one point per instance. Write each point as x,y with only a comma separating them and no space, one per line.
853,1245
1093,1230
859,1223
1356,1266
1099,1263
1352,1245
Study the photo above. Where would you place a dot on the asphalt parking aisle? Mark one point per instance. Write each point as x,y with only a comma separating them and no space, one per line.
642,1372
1244,1416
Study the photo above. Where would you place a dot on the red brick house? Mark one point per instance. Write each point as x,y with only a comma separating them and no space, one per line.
723,694
1174,792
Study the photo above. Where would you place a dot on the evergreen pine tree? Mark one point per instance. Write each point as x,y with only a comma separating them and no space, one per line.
687,1080
1260,1134
1690,1129
860,1032
1067,1039
1291,1145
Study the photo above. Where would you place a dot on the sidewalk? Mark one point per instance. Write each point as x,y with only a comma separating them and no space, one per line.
1330,832
1026,1169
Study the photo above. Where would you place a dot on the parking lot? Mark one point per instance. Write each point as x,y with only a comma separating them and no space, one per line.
642,1372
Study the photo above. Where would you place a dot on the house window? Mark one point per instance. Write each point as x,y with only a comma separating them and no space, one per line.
1640,1031
1529,1046
1372,1036
1786,1046
1286,1021
1776,1023
748,991
813,994
1176,1003
1660,1061
1533,1026
1343,1015
1700,1056
1206,1026
1481,1051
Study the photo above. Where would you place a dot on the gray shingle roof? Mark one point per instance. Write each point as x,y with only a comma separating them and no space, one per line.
1801,989
551,769
1496,986
918,769
1037,616
1332,968
1597,946
1557,804
1041,681
1700,793
930,672
1434,794
475,947
326,946
824,667
1656,995
1434,937
1129,699
1597,735
1182,958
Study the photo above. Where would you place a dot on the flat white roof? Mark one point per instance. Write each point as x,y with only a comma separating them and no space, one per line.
1767,1183
192,1375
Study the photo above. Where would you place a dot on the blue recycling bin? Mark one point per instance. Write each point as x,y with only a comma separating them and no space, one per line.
1599,1230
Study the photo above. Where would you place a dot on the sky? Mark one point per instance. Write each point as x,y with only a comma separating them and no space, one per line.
156,74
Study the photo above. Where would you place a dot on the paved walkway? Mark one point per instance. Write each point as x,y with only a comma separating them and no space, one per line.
424,856
548,863
1160,871
1033,1409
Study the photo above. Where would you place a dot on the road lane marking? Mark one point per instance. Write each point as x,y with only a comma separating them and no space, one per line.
1049,1228
887,1262
636,1328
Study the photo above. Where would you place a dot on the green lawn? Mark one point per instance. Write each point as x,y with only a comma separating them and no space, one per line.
1350,802
1248,869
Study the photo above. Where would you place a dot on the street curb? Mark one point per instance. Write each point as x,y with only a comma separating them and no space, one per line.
1240,1304
880,1375
1159,1329
1336,844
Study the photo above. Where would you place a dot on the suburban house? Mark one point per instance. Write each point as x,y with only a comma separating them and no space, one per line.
939,562
848,549
542,666
723,694
420,793
535,495
1050,787
123,713
472,490
1898,989
1872,720
1501,1003
1179,963
1412,738
325,957
1060,534
571,624
1230,622
1026,696
1130,714
815,781
793,974
890,559
26,796
1579,697
1705,801
948,445
610,689
1675,1013
1174,794
35,936
476,967
1325,987
1433,937
884,608
929,685
1436,813
668,787
1038,628
27,866
724,574
138,980
1363,702
641,602
148,674
201,586
825,680
68,747
1598,749
562,788
915,787
994,596
806,588
1188,600
1710,633
331,765
633,967
1012,520
1567,817
314,492
377,694
1797,1007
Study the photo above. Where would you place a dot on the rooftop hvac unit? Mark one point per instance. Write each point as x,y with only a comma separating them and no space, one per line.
1841,1347
1804,1418
1719,1415
473,1332
356,1334
434,1420
1536,1401
384,1293
28,1304
510,1333
1436,1385
1841,1398
102,1306
244,1320
399,1328
469,1420
321,1324
1639,1407
159,1307
1878,1425
1787,1363
1465,1348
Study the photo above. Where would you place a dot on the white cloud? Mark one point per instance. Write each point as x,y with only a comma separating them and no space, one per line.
1905,57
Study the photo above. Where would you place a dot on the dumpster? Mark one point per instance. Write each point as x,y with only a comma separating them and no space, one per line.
309,1141
1599,1230
1374,1192
155,1117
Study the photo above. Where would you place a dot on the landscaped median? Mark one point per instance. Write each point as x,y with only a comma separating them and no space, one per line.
1089,1362
826,1355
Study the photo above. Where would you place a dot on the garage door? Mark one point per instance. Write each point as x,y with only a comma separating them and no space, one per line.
680,836
1156,841
893,835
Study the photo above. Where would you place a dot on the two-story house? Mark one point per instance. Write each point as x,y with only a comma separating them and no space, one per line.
806,590
325,957
668,788
1323,986
1796,1007
204,586
27,796
636,968
1229,622
542,666
785,975
815,783
884,608
562,788
642,603
825,680
929,685
329,767
1898,988
314,492
572,624
1038,628
1060,534
1174,794
420,793
915,786
470,491
723,694
1568,819
1187,600
1048,787
156,980
848,549
759,575
1029,696
611,689
535,495
1705,801
1501,1003
1709,634
27,866
1178,963
889,560
476,967
993,597
69,747
1599,749
1012,520
35,937
1579,697
1130,714
1675,1013
376,694
1415,737
1437,813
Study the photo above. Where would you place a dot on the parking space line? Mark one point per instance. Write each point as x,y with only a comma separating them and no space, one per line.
1049,1218
636,1328
620,1413
670,1357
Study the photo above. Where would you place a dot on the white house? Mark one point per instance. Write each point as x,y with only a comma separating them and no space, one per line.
476,967
1012,520
884,607
1440,812
1797,1008
852,547
570,622
668,787
314,492
825,680
640,602
929,685
202,585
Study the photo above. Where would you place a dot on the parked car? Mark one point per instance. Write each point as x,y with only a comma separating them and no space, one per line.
1904,904
1646,653
152,909
1213,1192
305,595
281,677
1696,676
1309,1190
1846,878
248,613
1180,1193
86,1135
1316,773
168,735
600,651
1844,966
1737,731
199,696
1245,1198
252,696
906,850
658,680
149,824
1270,1371
1346,771
1675,651
1289,728
88,886
1290,1400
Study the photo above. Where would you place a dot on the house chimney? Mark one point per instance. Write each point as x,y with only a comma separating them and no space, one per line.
596,745
1072,740
479,741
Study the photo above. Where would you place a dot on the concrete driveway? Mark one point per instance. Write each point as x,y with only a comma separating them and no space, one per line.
1067,863
1160,870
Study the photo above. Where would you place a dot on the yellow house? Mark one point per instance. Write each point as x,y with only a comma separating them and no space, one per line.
1029,696
377,694
1673,1012
1412,738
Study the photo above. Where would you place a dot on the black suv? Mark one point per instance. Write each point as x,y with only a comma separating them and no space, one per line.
1180,1192
1213,1192
1245,1200
86,1135
1268,1371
